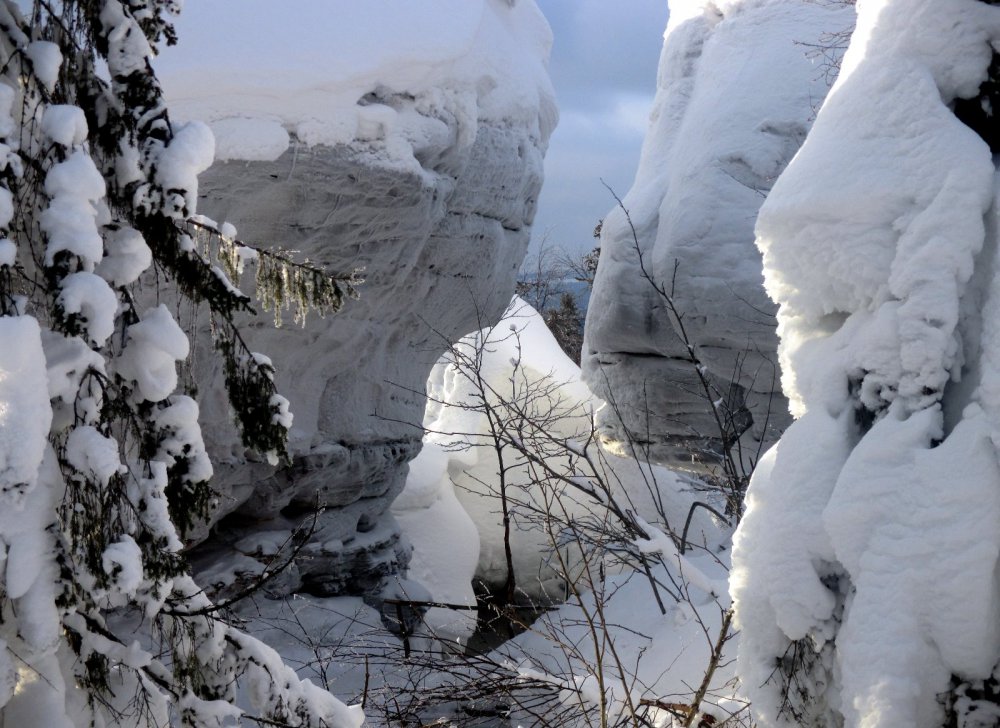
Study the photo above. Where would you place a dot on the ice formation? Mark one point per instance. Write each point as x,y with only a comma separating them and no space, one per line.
865,568
737,90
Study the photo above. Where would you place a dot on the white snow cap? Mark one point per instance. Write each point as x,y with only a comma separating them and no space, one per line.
64,124
93,454
45,61
70,220
89,295
127,257
155,344
25,414
122,560
190,152
337,71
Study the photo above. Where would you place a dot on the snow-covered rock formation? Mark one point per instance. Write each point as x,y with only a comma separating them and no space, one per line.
399,138
865,569
488,397
737,88
517,366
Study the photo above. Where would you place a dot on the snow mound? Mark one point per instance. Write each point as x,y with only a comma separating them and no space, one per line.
521,369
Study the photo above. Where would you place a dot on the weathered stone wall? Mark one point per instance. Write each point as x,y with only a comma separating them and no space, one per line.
736,94
440,247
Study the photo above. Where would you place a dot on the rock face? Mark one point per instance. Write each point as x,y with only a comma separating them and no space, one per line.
735,99
431,192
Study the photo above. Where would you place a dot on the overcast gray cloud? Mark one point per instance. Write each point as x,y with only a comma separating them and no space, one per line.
603,66
603,48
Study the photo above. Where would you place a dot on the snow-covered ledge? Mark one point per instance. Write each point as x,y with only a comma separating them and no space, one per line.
402,138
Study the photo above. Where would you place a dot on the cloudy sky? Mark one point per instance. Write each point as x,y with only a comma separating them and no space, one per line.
603,66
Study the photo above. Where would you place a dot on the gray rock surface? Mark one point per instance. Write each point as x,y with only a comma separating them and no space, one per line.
727,118
404,139
440,248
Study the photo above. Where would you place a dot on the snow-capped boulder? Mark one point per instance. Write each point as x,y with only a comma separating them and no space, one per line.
506,399
401,139
738,85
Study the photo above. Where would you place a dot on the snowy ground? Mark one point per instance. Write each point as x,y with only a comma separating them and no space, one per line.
342,644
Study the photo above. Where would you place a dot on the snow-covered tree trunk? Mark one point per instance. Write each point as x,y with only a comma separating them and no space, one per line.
865,568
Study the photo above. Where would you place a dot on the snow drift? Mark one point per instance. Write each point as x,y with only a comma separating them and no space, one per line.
479,394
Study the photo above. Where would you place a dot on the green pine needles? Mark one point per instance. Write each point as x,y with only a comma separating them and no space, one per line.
103,469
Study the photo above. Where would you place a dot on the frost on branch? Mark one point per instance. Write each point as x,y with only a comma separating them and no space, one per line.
102,464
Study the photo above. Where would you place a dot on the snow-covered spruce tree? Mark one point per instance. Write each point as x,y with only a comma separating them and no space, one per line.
102,464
